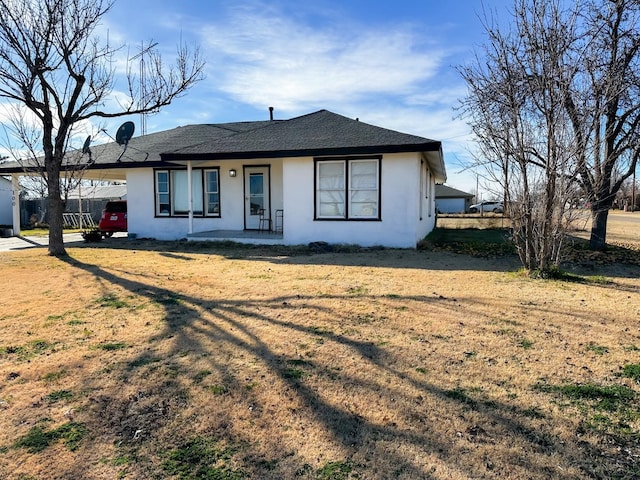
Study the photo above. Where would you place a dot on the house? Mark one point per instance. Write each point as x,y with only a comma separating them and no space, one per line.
450,200
317,177
6,200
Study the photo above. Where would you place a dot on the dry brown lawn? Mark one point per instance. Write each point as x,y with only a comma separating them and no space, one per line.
144,360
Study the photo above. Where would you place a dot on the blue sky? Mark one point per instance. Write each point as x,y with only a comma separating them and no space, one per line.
389,63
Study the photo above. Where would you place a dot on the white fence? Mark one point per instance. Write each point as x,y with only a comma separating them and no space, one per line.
77,220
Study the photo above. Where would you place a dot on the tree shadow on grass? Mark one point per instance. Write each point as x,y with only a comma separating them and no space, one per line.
618,261
399,443
333,255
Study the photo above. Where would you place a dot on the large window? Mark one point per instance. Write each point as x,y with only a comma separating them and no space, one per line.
348,189
172,197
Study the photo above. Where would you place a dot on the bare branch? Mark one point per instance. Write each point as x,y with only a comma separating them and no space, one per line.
53,64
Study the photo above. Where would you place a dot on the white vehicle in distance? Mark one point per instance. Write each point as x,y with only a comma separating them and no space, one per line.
489,206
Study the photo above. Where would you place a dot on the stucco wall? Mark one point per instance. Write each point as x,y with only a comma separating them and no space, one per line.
407,211
400,198
141,213
427,214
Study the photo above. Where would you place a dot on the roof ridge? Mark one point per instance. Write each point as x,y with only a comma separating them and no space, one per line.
310,114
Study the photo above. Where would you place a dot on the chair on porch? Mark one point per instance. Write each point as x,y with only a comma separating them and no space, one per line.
264,225
279,223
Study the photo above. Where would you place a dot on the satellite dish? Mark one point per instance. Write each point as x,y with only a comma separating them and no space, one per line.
86,149
124,133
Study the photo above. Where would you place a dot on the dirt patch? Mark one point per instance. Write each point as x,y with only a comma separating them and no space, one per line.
202,361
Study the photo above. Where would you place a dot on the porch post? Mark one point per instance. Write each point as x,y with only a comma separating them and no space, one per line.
190,195
15,203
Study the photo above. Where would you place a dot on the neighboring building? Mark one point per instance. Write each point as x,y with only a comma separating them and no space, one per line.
450,200
91,200
94,198
98,192
317,177
6,200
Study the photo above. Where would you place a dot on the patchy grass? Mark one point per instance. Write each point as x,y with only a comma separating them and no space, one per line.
488,235
202,458
111,300
260,362
597,349
201,375
608,410
28,351
218,389
142,362
469,241
632,371
525,343
334,471
609,397
58,396
53,377
460,395
39,438
112,346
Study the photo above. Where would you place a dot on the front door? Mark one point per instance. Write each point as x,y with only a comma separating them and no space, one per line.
256,196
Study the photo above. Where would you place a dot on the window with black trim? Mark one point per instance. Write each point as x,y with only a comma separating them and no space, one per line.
172,198
348,189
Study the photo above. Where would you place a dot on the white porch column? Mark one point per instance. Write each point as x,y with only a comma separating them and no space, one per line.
190,195
15,203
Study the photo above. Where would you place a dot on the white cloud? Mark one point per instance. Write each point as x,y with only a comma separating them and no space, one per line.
434,123
267,58
393,74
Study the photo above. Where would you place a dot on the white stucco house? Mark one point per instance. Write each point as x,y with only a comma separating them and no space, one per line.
317,177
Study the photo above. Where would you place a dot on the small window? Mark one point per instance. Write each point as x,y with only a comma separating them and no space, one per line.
348,189
163,207
212,193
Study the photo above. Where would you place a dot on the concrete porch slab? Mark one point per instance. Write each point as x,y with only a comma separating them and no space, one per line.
254,237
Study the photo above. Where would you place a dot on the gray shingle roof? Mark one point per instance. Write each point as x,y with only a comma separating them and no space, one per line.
319,133
314,134
444,191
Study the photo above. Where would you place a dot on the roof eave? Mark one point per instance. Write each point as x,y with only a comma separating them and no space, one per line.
435,159
307,152
34,171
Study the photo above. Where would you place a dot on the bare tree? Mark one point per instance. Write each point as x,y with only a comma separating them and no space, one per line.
560,91
514,107
603,104
56,73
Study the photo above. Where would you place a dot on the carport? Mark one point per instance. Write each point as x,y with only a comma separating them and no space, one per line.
103,168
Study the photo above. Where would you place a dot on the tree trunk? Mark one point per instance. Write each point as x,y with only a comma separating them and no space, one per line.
55,207
599,216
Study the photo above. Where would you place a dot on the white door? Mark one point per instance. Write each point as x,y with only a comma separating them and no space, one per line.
256,196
